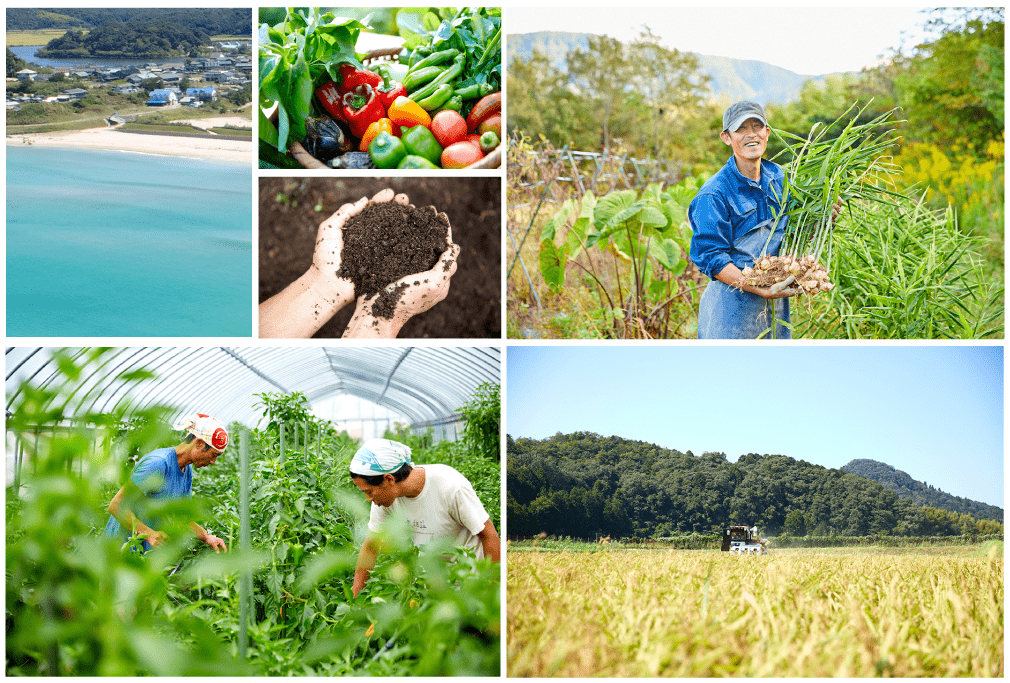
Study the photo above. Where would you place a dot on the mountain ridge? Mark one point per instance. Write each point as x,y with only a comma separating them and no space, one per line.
920,492
731,78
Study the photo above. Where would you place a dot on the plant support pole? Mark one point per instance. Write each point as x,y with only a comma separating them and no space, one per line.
245,544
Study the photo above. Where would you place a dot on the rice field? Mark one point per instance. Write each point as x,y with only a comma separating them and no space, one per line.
846,612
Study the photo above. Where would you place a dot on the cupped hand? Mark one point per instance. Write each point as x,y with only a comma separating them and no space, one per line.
768,293
330,238
418,293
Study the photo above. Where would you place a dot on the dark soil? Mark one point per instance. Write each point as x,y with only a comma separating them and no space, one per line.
289,221
386,242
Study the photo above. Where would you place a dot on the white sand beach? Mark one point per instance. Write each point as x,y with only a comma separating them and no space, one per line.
220,148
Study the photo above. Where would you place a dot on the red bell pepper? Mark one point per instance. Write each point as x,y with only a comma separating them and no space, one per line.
331,99
352,77
390,89
362,108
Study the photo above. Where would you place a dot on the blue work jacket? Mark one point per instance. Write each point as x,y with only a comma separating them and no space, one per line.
728,210
733,219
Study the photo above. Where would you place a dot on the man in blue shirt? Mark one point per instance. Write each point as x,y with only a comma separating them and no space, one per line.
733,219
168,473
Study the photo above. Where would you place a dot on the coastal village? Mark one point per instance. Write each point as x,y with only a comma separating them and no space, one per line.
228,68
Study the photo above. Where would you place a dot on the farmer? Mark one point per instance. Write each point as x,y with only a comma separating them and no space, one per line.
309,302
733,219
437,501
168,473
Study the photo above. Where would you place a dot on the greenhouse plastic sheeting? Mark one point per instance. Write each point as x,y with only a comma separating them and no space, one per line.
425,384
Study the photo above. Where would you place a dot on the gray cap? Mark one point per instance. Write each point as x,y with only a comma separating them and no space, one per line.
740,112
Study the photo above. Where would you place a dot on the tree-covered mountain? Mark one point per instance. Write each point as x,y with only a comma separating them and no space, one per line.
920,492
116,39
583,484
210,20
734,79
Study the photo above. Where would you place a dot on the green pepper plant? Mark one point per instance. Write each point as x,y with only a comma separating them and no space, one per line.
78,604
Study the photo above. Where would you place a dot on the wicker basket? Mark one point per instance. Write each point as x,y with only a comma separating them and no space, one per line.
301,155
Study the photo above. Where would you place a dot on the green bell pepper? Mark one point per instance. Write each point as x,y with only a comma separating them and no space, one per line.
412,161
386,150
420,141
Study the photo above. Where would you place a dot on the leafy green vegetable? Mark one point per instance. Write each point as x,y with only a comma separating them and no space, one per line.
475,33
297,56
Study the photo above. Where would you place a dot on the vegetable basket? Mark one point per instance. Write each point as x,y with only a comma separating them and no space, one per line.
301,155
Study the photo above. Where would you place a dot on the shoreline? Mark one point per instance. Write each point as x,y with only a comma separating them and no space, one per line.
225,150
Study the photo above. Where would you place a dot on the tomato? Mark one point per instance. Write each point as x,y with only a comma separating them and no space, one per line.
449,127
461,154
491,123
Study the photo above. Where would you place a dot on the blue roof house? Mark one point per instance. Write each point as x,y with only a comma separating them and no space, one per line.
208,94
160,98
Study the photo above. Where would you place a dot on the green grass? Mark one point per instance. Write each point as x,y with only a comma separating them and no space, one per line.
176,129
39,37
234,132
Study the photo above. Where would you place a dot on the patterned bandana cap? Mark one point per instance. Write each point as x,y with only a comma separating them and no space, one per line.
380,456
205,427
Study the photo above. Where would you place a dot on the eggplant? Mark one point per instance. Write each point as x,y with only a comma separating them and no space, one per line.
325,138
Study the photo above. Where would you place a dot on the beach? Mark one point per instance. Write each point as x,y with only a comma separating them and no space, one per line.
219,149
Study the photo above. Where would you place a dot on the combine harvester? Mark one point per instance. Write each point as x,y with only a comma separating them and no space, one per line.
743,540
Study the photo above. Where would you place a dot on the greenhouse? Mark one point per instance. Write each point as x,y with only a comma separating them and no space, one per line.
260,554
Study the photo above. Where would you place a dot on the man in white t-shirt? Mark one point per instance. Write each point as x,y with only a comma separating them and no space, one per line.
437,501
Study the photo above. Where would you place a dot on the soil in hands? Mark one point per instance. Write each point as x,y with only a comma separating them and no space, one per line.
386,242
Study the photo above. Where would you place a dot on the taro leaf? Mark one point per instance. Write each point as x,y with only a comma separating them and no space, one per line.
557,220
666,251
578,234
624,215
552,264
653,217
610,205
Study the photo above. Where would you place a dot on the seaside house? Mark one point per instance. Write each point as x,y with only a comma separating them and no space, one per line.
161,98
75,93
107,75
26,75
208,94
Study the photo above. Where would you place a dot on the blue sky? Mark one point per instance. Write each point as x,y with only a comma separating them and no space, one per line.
806,40
935,412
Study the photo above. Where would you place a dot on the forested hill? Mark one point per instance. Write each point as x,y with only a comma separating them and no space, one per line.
116,39
582,484
212,21
735,78
920,492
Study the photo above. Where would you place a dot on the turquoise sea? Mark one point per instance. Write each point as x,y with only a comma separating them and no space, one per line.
118,244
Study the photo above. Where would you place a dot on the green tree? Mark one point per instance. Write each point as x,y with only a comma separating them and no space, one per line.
604,74
669,85
952,88
795,525
14,64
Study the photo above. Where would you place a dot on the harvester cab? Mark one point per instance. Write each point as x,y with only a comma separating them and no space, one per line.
743,540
